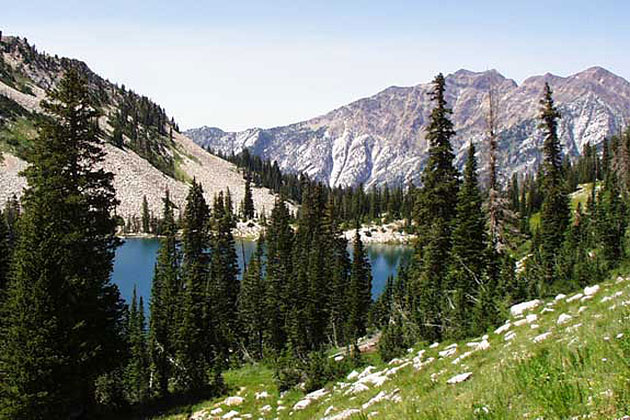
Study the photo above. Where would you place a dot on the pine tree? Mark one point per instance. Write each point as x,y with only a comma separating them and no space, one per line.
165,294
468,254
248,202
279,268
64,311
338,262
224,283
137,370
194,326
5,255
555,207
360,290
435,209
251,304
146,217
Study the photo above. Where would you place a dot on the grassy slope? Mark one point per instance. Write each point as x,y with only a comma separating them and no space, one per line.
577,370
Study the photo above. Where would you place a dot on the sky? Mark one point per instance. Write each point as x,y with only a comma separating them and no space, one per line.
241,64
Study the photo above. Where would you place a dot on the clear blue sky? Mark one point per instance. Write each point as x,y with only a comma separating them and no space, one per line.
238,64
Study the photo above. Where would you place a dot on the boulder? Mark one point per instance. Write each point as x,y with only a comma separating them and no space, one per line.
541,337
261,395
519,308
459,378
591,290
230,415
563,319
233,401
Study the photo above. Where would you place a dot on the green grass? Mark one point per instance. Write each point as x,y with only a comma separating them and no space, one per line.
16,136
576,371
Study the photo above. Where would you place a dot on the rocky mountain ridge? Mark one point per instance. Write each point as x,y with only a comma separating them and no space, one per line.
381,139
160,159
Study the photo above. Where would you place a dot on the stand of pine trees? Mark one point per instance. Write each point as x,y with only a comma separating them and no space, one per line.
463,279
70,348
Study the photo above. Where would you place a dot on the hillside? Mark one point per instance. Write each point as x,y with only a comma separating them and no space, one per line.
562,358
144,148
380,139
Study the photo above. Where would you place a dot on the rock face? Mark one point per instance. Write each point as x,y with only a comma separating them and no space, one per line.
382,138
134,176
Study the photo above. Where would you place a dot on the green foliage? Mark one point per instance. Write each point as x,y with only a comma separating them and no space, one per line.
65,312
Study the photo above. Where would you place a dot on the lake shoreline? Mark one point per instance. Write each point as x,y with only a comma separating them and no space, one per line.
385,234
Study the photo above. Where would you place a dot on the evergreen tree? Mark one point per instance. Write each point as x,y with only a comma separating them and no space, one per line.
279,269
5,253
251,304
468,255
224,278
146,217
193,352
137,371
339,264
165,293
360,290
65,312
435,209
555,212
248,202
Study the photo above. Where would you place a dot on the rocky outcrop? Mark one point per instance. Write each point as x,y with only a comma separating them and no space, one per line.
381,139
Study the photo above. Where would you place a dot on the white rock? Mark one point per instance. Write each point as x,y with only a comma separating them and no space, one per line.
368,370
503,328
541,337
520,322
560,297
395,361
338,358
462,357
329,410
357,388
352,375
585,298
563,319
261,395
434,345
575,297
230,414
606,299
485,337
216,411
534,326
574,327
265,409
316,395
302,404
345,414
377,398
582,309
545,310
451,346
448,352
459,378
620,335
531,318
510,336
233,401
518,309
484,345
590,291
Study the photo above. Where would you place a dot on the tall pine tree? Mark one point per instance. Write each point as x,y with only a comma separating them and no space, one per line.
435,210
64,325
555,212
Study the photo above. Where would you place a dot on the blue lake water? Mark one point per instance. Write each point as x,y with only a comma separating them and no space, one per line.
135,260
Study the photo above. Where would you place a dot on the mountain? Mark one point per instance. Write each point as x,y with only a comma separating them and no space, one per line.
381,139
144,148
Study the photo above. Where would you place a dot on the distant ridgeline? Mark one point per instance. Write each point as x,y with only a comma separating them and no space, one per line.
353,203
130,120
